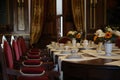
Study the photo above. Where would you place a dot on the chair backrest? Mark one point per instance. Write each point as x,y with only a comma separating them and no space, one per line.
117,42
8,55
3,64
77,71
22,44
3,39
15,50
12,38
64,39
19,47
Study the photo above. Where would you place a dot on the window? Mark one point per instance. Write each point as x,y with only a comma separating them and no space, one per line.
59,20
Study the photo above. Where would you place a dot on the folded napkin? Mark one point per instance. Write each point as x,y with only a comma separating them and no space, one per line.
116,63
102,54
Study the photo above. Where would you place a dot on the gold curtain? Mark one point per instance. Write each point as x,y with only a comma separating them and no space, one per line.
78,13
36,20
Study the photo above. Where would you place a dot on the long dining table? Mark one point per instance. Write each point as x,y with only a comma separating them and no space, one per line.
87,56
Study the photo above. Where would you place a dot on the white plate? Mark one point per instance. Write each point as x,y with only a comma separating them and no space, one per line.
65,51
73,57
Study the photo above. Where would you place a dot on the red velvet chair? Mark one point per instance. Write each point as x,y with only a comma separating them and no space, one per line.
64,39
31,60
24,51
34,53
24,47
27,62
117,42
24,73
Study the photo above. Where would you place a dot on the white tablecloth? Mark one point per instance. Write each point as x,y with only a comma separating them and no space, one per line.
62,56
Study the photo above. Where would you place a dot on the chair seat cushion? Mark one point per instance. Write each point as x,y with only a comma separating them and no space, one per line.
117,42
33,56
34,53
32,70
64,39
44,77
32,62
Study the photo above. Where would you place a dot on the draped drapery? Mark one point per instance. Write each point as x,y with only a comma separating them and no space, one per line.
78,13
36,20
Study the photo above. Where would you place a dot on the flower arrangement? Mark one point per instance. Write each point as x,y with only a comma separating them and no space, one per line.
74,34
109,35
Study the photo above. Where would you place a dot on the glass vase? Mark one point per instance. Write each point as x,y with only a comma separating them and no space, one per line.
108,49
99,47
74,42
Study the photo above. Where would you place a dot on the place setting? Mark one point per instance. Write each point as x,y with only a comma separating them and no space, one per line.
76,56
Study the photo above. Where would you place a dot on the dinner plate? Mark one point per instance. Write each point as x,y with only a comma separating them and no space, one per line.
65,51
73,57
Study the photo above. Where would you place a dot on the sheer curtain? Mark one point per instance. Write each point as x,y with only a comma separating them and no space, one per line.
78,13
36,20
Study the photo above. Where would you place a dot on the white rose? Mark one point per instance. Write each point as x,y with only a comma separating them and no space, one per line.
109,29
99,31
70,32
102,34
73,32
